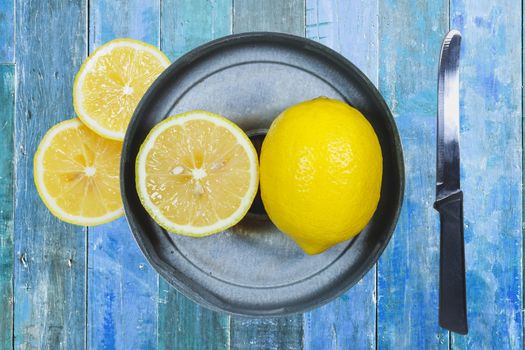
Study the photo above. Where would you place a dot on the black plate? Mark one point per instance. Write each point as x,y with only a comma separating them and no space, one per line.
253,269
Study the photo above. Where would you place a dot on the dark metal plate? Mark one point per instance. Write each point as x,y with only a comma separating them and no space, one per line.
253,269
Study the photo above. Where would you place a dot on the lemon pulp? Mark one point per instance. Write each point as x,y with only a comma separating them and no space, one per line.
76,173
197,173
111,82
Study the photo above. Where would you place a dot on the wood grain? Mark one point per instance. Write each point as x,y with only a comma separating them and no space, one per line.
491,113
267,334
187,24
7,28
351,28
122,293
280,16
270,15
50,274
288,17
135,19
7,114
127,309
410,39
183,324
186,325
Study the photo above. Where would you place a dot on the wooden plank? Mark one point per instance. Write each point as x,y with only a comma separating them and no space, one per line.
269,15
348,27
183,324
7,114
186,24
123,289
491,112
410,39
349,322
288,17
122,293
7,28
136,19
265,334
186,325
49,255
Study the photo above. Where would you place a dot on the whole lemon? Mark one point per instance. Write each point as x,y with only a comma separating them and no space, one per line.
320,173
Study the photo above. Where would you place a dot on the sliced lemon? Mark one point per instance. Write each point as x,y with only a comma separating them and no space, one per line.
111,82
197,173
77,174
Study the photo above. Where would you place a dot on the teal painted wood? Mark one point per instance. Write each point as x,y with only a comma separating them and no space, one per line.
136,19
50,255
49,264
491,113
288,17
183,324
270,15
186,24
123,286
410,36
269,333
7,28
350,28
7,114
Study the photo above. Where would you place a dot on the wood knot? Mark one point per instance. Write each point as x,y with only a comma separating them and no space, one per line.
23,259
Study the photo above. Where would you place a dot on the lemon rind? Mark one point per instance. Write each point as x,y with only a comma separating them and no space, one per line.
49,201
89,62
189,230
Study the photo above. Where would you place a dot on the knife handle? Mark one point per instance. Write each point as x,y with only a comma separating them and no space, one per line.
452,284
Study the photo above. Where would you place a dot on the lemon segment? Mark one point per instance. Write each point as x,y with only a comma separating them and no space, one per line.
321,173
111,82
76,173
197,173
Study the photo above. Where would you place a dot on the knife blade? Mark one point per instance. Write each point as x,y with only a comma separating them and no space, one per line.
449,197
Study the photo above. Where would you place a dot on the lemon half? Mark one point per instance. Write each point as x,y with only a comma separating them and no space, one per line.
197,173
111,82
76,173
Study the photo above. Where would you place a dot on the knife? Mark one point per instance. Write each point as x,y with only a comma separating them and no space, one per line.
449,197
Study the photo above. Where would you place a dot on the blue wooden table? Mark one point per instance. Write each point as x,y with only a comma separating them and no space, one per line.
67,287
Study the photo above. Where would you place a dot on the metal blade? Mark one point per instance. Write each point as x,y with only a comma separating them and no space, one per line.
447,159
